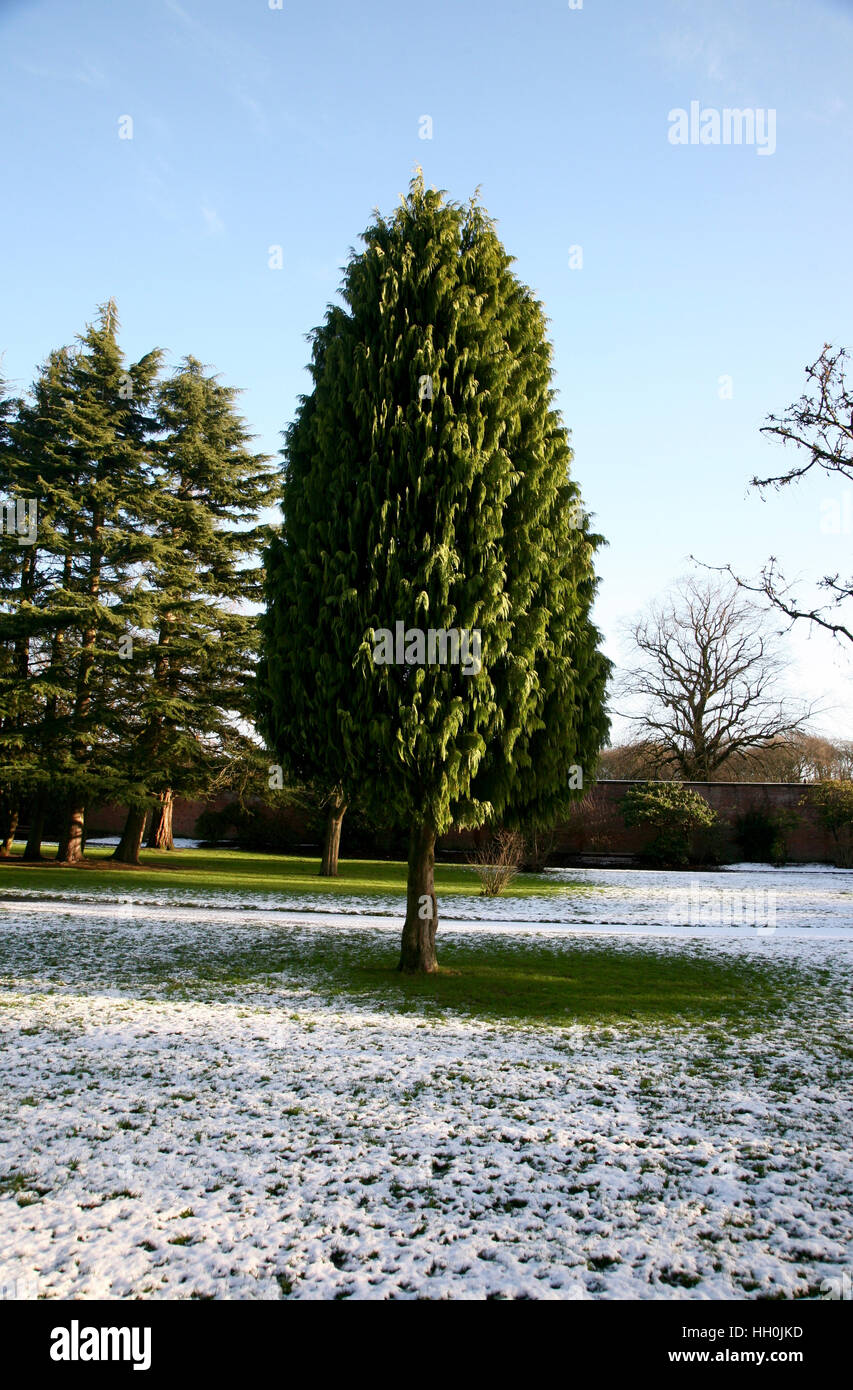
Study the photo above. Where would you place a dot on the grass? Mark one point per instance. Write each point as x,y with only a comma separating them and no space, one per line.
527,982
520,980
236,871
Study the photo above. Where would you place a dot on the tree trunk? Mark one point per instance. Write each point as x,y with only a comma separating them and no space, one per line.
417,956
160,834
10,827
72,838
128,847
332,840
32,851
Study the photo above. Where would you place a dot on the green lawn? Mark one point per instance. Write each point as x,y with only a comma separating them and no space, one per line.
517,979
233,871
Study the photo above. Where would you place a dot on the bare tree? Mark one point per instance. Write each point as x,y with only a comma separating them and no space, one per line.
707,673
821,425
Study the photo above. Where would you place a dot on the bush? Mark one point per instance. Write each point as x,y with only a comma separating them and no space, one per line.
498,862
833,801
762,836
675,812
712,844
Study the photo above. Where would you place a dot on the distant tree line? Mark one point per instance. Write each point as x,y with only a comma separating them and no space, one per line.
798,757
127,637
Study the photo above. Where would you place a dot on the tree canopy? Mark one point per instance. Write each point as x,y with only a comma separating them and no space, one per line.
427,485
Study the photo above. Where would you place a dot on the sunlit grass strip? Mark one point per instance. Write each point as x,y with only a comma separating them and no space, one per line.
235,871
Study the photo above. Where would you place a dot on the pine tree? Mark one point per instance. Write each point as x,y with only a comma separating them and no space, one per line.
30,625
15,583
205,575
83,442
427,483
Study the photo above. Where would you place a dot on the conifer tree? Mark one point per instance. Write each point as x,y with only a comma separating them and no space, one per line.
14,584
427,483
204,576
31,620
83,442
109,425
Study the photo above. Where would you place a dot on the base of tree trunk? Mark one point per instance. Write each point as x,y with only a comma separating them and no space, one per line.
128,847
160,833
417,953
332,839
32,849
9,838
72,839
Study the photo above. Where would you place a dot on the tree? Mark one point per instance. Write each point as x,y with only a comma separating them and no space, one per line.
127,644
36,616
708,675
197,663
797,757
105,491
16,576
80,445
673,811
427,484
335,811
820,424
794,757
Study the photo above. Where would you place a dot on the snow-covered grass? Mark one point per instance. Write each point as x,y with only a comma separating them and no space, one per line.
216,1102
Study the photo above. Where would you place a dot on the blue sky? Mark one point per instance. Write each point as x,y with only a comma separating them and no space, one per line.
256,127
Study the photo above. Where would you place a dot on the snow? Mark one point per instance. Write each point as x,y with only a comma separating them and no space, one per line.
808,898
302,1144
108,841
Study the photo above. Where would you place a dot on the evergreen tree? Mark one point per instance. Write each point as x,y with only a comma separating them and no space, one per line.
204,577
427,483
83,445
14,585
31,626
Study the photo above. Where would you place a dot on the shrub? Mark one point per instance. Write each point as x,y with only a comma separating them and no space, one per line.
498,862
762,836
833,801
674,812
712,844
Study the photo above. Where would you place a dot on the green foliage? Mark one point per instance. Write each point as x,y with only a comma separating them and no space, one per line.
427,481
763,835
712,844
127,652
833,800
674,812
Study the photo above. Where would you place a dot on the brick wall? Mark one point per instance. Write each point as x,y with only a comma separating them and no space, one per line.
109,820
595,827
